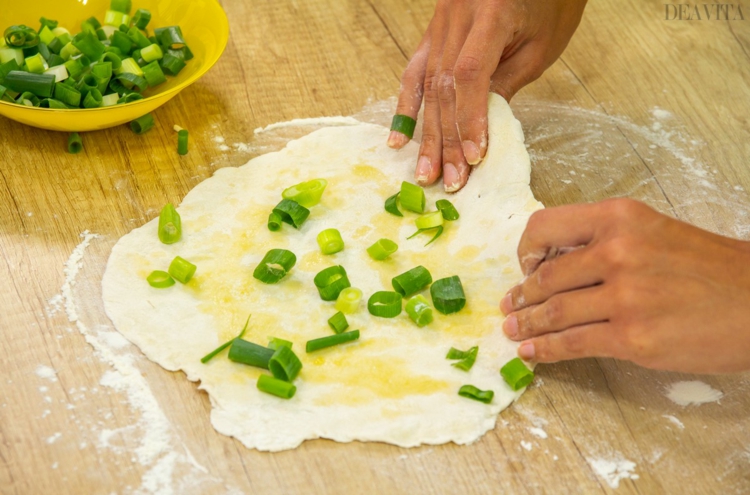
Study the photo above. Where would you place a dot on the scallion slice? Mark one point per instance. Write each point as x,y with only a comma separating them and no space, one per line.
348,300
181,269
447,209
153,74
306,193
274,266
42,85
93,99
273,386
438,232
142,124
330,241
75,145
141,18
412,197
338,322
430,220
448,295
419,310
331,340
274,221
472,392
36,64
123,6
284,364
292,212
159,279
412,281
226,344
404,124
171,37
171,64
170,225
331,281
275,342
249,353
182,142
382,249
467,358
516,374
385,304
67,94
391,205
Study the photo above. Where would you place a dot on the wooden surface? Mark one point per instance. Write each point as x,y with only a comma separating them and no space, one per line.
592,133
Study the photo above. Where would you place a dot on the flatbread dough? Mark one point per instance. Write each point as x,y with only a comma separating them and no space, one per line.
393,385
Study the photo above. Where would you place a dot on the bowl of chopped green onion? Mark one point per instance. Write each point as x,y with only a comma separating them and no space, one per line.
73,66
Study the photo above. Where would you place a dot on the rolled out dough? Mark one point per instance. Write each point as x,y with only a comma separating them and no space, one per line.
393,385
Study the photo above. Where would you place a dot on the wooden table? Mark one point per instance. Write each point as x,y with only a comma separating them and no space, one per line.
597,126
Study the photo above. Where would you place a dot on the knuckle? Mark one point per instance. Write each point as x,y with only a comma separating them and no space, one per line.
618,252
446,90
624,208
544,276
430,88
573,344
553,312
468,69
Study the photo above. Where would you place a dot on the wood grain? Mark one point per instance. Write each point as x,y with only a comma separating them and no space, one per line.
302,59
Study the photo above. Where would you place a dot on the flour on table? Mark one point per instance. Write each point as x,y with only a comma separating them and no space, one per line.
613,470
338,120
674,421
393,385
46,372
692,393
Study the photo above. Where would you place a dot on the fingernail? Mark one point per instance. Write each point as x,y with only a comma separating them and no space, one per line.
526,351
510,326
423,170
506,304
471,152
450,178
397,140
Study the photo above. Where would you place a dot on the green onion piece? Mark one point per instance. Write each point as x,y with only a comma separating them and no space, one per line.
419,310
448,295
46,35
438,233
447,209
47,23
467,358
275,342
292,212
69,51
338,322
42,85
60,73
55,46
331,281
516,374
86,84
274,266
129,97
114,18
36,64
29,99
8,54
430,220
284,364
412,197
142,124
171,65
159,279
67,94
279,388
226,344
182,142
20,36
385,304
472,392
382,249
139,39
391,205
242,351
274,222
93,99
171,37
141,18
183,53
133,82
123,6
88,44
306,193
181,269
51,103
331,340
44,52
151,52
110,100
411,282
348,300
404,124
170,225
94,22
121,41
74,67
75,145
330,241
129,66
7,67
113,58
102,72
153,74
55,60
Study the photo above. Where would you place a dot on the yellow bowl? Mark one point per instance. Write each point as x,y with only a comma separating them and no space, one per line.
204,25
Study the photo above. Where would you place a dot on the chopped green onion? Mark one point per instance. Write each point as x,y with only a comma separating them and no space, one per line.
306,193
182,142
74,67
274,222
67,94
419,310
275,342
331,281
159,279
88,44
46,35
113,58
404,124
29,99
472,392
412,197
8,55
36,64
411,282
151,53
60,73
93,99
129,97
467,358
139,39
447,209
438,233
153,74
242,351
448,295
181,269
142,124
391,205
430,220
110,100
129,66
274,266
141,18
121,41
42,85
75,145
330,241
385,304
171,37
47,23
93,22
123,6
114,18
331,340
172,65
226,344
279,388
348,300
170,225
51,103
292,212
516,374
382,249
132,81
338,322
69,51
21,36
284,364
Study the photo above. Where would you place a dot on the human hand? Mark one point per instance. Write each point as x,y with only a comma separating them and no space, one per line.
643,287
471,48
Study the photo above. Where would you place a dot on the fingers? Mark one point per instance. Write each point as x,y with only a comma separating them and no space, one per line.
523,67
574,343
412,87
560,312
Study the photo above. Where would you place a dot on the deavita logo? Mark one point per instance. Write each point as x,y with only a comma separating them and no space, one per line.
703,12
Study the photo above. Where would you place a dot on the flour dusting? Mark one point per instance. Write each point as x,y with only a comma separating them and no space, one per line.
46,372
613,470
693,393
316,121
674,421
